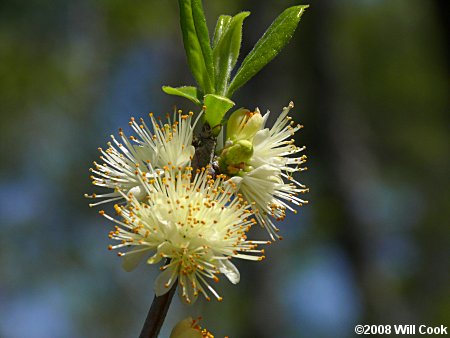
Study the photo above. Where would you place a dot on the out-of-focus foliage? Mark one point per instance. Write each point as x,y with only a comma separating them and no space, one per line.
370,80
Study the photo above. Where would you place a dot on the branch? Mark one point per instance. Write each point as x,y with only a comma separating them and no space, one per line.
157,314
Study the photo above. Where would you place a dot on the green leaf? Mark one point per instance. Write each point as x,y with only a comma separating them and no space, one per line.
227,50
216,108
190,93
193,29
271,43
203,37
221,28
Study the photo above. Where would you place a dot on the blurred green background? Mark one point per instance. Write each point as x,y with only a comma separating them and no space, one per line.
370,80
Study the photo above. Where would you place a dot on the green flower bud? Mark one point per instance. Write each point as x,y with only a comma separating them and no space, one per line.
234,158
239,152
244,124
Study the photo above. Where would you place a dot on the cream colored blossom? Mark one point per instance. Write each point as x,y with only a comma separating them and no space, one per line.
163,144
195,224
267,180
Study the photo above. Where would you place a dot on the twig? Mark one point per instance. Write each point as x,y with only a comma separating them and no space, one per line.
157,314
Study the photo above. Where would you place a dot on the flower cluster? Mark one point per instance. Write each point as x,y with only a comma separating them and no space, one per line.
192,220
195,220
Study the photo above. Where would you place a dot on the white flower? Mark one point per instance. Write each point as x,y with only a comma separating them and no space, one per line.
168,144
197,225
269,184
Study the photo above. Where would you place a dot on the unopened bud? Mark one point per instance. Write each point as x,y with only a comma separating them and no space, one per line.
189,328
234,158
244,124
239,152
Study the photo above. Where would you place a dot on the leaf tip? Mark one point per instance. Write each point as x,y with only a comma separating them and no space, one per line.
300,9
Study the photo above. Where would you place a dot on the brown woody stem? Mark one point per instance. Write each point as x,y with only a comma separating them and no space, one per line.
157,314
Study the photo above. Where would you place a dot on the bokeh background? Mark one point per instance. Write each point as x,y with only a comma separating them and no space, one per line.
370,80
